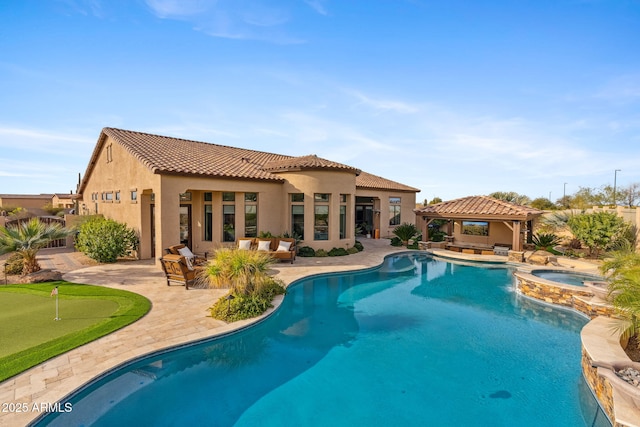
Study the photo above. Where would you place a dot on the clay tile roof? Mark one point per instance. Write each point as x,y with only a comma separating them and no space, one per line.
480,207
311,162
167,155
370,181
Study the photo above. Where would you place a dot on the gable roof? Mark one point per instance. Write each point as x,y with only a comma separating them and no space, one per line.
176,156
479,207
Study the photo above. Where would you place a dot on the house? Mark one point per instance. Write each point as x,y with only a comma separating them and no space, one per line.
204,195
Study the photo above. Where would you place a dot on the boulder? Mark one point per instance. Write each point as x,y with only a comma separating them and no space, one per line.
539,258
46,275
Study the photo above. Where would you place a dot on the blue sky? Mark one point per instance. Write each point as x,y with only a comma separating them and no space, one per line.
453,97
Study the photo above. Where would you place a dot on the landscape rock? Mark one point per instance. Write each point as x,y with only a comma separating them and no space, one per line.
539,258
46,275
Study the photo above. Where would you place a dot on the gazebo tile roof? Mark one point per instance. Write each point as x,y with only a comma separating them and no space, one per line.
479,206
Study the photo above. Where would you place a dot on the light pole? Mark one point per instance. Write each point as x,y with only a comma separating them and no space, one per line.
564,196
615,176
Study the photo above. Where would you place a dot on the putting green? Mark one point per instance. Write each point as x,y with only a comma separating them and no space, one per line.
29,334
28,320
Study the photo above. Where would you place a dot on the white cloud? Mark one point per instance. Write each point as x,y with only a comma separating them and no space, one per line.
177,9
383,104
318,6
624,88
231,19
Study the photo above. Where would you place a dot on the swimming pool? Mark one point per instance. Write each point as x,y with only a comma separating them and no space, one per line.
566,277
418,341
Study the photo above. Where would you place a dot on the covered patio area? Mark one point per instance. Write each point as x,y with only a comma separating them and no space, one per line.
480,224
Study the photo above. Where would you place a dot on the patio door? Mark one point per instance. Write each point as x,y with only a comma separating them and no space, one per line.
185,225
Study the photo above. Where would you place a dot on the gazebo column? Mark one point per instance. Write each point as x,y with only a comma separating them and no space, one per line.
516,243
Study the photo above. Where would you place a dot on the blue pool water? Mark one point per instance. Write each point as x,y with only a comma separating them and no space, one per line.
566,277
416,342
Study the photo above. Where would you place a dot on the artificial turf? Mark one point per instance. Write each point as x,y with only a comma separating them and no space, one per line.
29,335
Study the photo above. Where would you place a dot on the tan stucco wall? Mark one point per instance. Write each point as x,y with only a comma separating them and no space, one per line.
334,183
124,173
23,202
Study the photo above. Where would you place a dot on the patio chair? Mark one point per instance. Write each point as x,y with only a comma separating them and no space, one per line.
177,270
193,259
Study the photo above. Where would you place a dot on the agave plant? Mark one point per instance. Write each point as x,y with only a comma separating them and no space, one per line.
405,232
544,240
27,238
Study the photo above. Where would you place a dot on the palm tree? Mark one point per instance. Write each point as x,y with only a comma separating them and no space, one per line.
623,271
27,238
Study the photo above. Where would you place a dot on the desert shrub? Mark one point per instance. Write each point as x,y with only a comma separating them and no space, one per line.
396,241
14,264
105,240
352,250
597,231
338,252
243,306
358,246
413,245
265,235
321,253
575,244
306,251
245,272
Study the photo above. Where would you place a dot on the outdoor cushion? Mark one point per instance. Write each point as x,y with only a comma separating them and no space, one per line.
186,252
244,244
283,246
263,245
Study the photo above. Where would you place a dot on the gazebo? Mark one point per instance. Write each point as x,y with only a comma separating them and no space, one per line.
481,222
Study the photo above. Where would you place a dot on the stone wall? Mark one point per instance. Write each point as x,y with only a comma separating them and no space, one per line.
598,384
549,293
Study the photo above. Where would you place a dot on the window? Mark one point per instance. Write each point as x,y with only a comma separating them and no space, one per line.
251,220
185,197
297,220
250,197
321,217
297,197
208,197
108,196
343,221
228,197
208,222
343,216
321,224
475,228
134,195
394,210
228,223
109,153
117,196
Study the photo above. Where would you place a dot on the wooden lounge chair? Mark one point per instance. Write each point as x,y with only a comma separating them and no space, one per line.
177,270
